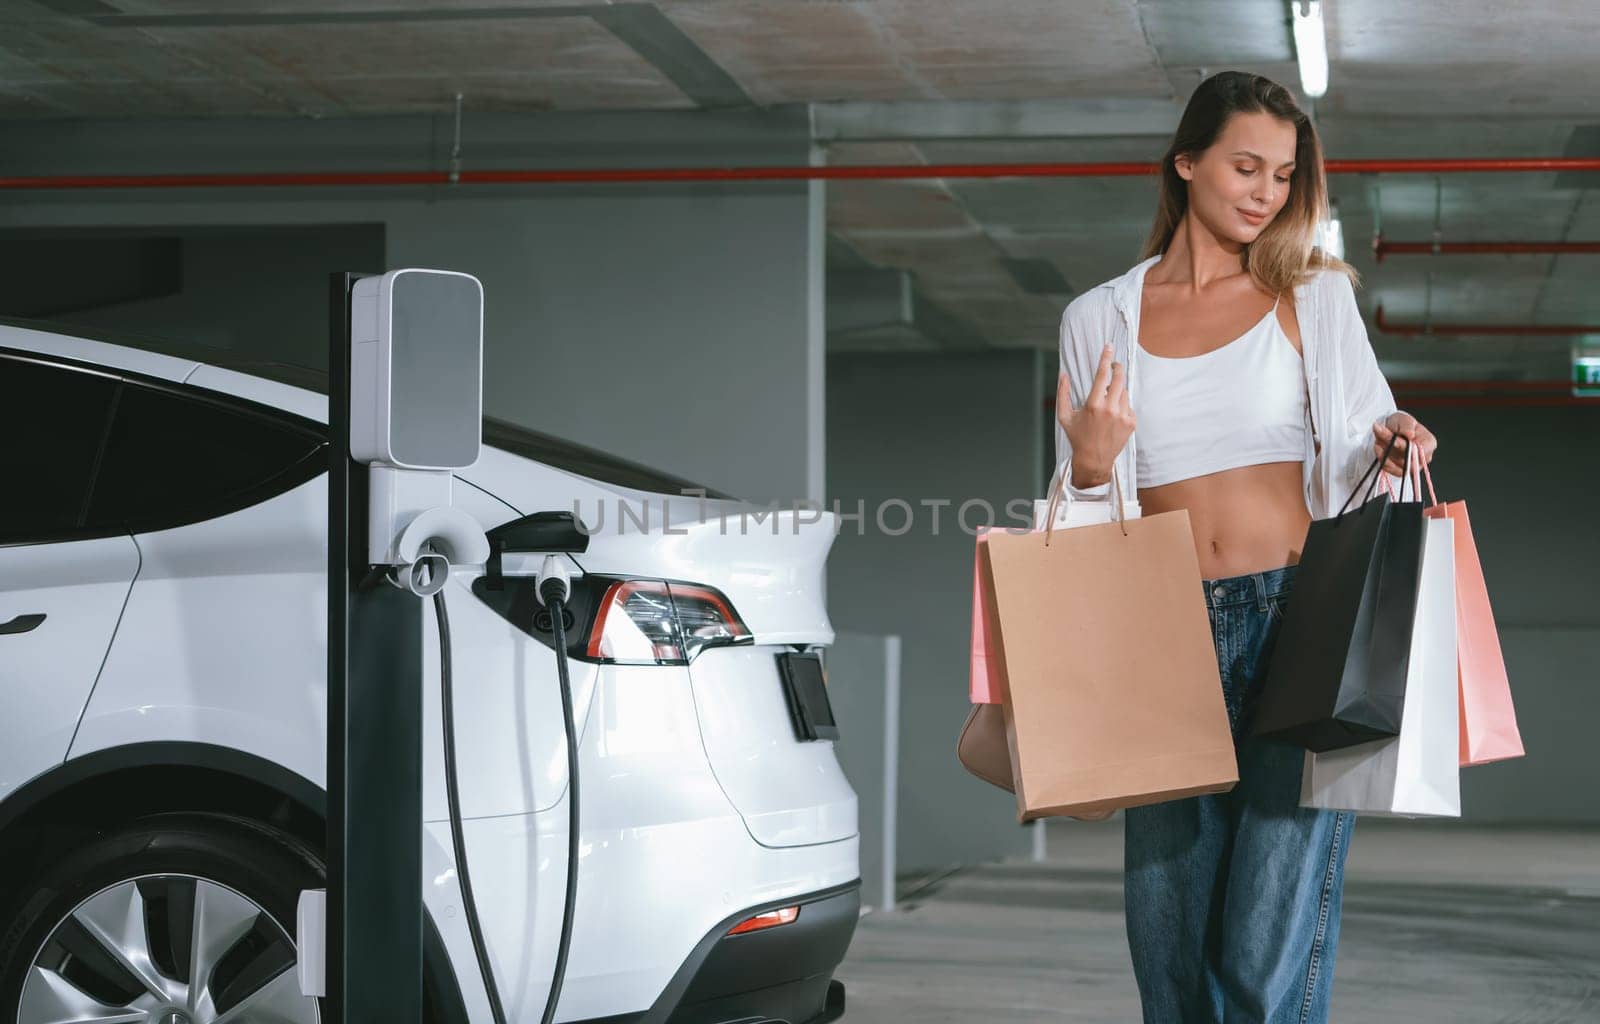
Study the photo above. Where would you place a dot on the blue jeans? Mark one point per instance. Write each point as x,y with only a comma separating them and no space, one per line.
1232,899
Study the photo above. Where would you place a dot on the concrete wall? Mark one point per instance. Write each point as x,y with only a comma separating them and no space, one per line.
1528,477
679,326
864,692
259,291
929,427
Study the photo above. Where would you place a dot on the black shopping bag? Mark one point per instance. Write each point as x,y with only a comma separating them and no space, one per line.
1337,676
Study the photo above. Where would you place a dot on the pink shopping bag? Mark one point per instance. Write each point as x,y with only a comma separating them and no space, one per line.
985,682
1488,720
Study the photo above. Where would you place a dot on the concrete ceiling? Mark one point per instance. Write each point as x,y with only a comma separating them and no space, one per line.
936,81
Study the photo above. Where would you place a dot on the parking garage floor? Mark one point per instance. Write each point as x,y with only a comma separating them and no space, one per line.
1443,925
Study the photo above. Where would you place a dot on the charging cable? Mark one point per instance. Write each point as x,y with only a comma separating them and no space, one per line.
552,587
452,790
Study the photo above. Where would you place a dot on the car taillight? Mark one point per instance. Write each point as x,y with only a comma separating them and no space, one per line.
635,625
771,919
705,616
650,622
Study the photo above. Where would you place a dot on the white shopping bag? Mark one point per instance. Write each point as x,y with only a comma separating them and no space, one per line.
1070,513
1418,773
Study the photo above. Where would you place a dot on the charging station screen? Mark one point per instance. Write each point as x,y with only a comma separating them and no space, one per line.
436,370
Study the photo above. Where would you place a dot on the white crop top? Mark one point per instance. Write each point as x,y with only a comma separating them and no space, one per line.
1239,405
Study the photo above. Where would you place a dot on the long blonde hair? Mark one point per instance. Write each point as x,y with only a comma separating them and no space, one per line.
1285,254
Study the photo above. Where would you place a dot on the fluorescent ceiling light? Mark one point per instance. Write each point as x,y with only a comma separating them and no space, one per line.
1310,46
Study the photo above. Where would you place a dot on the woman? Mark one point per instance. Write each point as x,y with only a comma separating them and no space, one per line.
1237,349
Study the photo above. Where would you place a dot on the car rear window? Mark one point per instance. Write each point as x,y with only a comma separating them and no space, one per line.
52,422
172,458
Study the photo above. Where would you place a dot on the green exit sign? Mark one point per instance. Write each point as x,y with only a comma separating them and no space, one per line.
1586,376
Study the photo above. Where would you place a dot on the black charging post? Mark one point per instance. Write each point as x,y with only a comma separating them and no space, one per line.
374,900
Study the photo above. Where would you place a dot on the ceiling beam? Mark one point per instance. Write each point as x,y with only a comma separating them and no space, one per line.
881,309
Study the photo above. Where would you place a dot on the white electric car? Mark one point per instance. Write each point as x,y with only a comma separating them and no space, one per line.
163,536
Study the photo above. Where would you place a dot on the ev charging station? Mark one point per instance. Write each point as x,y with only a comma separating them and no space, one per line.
405,410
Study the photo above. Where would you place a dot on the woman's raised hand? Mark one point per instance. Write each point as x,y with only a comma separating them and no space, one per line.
1101,427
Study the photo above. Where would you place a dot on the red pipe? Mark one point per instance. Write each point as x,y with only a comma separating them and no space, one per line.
1382,247
1386,327
1463,165
905,172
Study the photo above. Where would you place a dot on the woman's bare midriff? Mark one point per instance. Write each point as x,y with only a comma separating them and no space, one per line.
1245,520
1248,519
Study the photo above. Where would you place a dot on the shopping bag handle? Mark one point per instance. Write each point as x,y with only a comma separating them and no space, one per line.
1374,468
1433,498
1058,489
1411,474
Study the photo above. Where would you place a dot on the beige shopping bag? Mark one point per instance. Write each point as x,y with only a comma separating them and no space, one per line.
1112,694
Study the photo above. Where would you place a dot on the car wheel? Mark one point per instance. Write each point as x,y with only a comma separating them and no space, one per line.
170,919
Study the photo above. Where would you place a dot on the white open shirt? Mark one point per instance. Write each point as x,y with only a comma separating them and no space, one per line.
1348,391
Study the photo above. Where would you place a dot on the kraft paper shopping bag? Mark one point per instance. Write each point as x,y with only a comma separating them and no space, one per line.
981,746
1112,693
983,683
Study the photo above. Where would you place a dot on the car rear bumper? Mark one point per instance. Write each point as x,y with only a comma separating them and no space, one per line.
782,974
